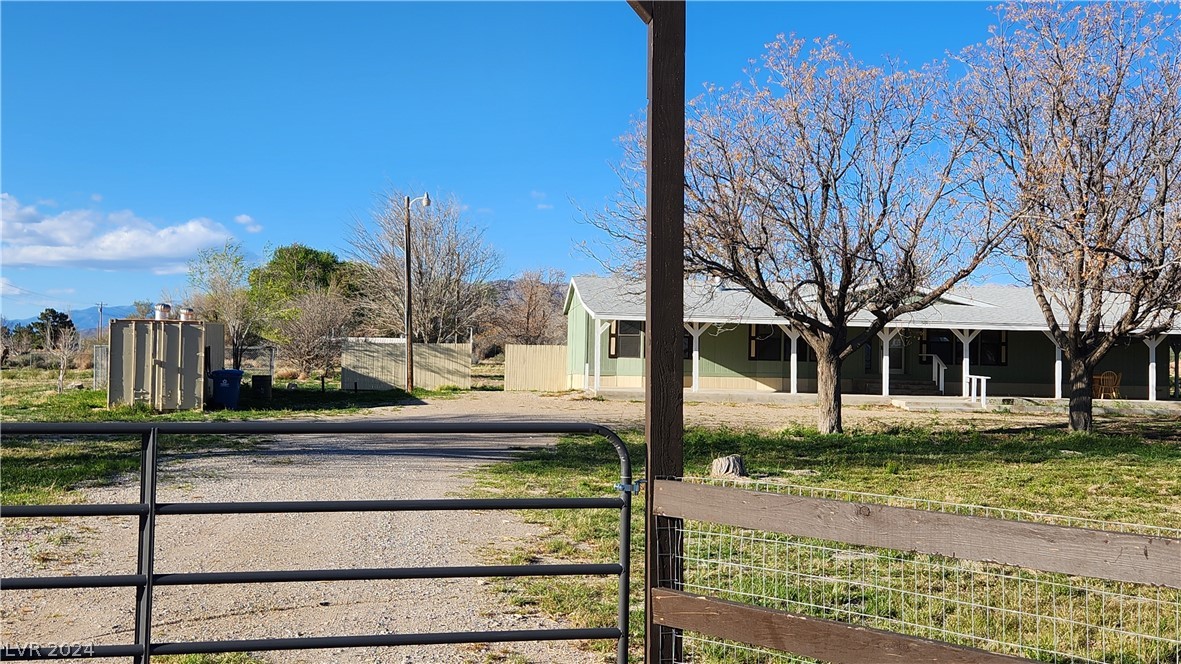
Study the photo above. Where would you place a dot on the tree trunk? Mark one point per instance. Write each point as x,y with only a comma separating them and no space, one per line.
828,391
1081,400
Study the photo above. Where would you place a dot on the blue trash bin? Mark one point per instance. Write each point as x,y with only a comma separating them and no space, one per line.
226,387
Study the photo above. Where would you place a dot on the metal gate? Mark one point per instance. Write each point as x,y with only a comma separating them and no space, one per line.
148,509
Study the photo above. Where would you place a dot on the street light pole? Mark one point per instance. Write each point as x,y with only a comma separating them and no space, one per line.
425,199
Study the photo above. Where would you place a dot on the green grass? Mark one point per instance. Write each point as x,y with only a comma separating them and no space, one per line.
224,658
30,395
1128,475
47,470
40,470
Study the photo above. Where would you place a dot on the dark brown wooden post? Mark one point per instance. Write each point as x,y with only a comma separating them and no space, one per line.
663,392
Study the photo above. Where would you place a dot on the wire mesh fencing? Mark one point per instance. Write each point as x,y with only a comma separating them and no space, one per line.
1010,610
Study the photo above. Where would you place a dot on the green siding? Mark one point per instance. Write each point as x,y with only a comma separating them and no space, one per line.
724,354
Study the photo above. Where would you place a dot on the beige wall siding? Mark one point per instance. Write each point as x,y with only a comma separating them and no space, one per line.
369,363
537,368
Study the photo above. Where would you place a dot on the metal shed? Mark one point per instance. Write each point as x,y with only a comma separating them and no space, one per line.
163,363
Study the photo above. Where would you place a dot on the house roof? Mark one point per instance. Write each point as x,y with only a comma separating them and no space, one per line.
967,307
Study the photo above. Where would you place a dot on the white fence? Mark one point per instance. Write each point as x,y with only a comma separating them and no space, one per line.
379,363
536,368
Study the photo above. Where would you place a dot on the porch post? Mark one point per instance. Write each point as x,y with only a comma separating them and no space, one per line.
600,328
886,336
794,335
1057,366
1152,344
966,337
695,330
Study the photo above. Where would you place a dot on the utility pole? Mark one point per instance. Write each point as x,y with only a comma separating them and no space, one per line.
425,199
99,331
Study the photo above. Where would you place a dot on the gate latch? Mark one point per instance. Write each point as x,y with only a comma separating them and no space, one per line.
632,488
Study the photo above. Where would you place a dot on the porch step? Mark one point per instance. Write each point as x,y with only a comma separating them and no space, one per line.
904,387
942,405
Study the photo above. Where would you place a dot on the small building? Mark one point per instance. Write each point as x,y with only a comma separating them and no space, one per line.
164,364
734,342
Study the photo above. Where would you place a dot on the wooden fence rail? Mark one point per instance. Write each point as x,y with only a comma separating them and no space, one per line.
1148,560
826,640
1044,547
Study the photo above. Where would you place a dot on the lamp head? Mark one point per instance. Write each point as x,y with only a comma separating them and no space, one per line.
426,200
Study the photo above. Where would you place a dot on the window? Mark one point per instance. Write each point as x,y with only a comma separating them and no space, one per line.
687,346
939,342
990,348
769,343
625,338
766,343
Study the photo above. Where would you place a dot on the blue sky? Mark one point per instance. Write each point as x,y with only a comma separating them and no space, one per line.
134,134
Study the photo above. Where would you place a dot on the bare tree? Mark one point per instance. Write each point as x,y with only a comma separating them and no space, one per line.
829,189
19,341
5,340
450,267
65,345
1081,106
221,293
529,310
143,308
312,336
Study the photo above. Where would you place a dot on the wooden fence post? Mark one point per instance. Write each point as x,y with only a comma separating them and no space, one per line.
663,391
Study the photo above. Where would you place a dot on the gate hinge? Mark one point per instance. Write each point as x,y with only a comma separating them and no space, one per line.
632,488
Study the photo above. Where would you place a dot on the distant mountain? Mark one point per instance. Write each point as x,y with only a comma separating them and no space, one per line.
86,320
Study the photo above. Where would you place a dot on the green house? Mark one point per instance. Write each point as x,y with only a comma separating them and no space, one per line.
973,339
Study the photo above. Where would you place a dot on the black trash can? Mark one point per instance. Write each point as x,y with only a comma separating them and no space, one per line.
227,384
261,386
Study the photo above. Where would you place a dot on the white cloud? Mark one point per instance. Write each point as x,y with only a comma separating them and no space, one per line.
544,206
97,198
248,221
8,288
87,238
537,195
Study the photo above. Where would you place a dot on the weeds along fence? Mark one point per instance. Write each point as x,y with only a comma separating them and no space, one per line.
781,573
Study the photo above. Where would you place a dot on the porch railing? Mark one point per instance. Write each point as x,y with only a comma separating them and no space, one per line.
978,389
938,370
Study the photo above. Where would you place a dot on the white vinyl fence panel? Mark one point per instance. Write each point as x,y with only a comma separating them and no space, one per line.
379,363
535,368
